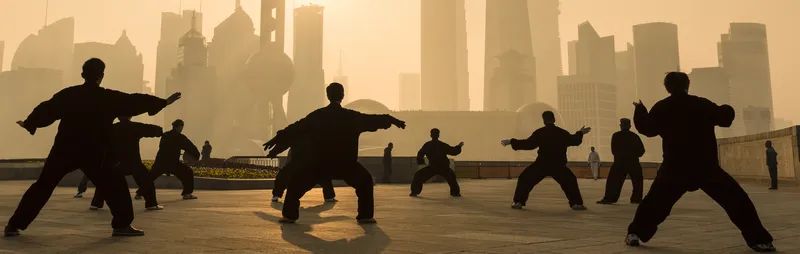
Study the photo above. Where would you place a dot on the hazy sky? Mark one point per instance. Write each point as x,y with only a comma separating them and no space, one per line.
380,38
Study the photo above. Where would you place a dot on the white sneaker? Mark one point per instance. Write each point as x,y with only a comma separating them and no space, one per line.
632,240
154,208
189,196
516,205
276,199
93,208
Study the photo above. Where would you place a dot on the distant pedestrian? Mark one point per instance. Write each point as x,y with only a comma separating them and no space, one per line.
387,163
206,152
594,163
772,165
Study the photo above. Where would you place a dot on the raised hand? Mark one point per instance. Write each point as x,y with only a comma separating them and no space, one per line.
399,123
638,104
21,124
585,129
461,143
270,144
505,142
172,98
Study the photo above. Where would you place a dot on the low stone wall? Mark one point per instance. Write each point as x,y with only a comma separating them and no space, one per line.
745,157
512,169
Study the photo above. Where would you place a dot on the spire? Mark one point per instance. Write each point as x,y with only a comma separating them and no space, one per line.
194,20
238,5
46,7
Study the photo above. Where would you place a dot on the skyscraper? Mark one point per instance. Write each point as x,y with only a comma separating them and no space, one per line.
343,79
656,54
444,56
51,48
589,97
410,92
193,77
124,64
626,81
744,56
308,91
546,40
714,84
173,26
510,67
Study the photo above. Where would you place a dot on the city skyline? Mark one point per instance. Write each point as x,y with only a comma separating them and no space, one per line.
405,21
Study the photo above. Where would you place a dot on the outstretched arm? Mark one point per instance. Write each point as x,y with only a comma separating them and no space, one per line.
367,122
644,121
421,154
45,114
530,143
724,115
577,138
137,104
148,130
286,136
455,150
190,148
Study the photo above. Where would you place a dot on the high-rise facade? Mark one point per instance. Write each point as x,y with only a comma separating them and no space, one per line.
744,55
546,40
510,66
626,81
583,102
173,26
445,85
308,91
410,92
124,64
656,54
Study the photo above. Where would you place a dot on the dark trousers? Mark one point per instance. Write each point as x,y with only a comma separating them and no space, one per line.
353,173
84,184
140,176
425,174
181,171
721,187
55,168
534,174
616,178
773,176
387,171
287,172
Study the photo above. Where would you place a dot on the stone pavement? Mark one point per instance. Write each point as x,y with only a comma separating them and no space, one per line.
480,222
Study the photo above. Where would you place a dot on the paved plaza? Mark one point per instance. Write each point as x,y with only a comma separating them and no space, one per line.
480,222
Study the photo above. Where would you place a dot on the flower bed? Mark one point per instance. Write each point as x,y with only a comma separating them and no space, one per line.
229,171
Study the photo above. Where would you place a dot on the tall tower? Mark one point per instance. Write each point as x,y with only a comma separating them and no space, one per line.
343,79
744,56
510,67
546,46
656,54
410,92
173,26
307,92
273,18
444,69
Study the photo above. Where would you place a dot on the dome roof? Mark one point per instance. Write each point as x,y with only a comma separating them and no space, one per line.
368,106
535,107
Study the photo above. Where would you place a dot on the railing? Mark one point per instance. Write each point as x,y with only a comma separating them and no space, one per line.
255,160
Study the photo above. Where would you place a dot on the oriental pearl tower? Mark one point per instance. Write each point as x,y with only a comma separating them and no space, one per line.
269,74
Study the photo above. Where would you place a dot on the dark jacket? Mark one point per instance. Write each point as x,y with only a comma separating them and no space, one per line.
772,157
387,155
437,152
334,132
686,126
87,115
626,146
126,136
552,143
206,153
169,149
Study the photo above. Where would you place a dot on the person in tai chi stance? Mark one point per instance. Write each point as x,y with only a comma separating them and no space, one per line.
552,143
87,114
626,147
686,124
438,164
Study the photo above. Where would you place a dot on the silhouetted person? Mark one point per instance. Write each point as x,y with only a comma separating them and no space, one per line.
594,163
552,143
168,159
125,148
334,133
772,165
387,163
205,154
300,151
627,147
438,164
686,124
87,113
